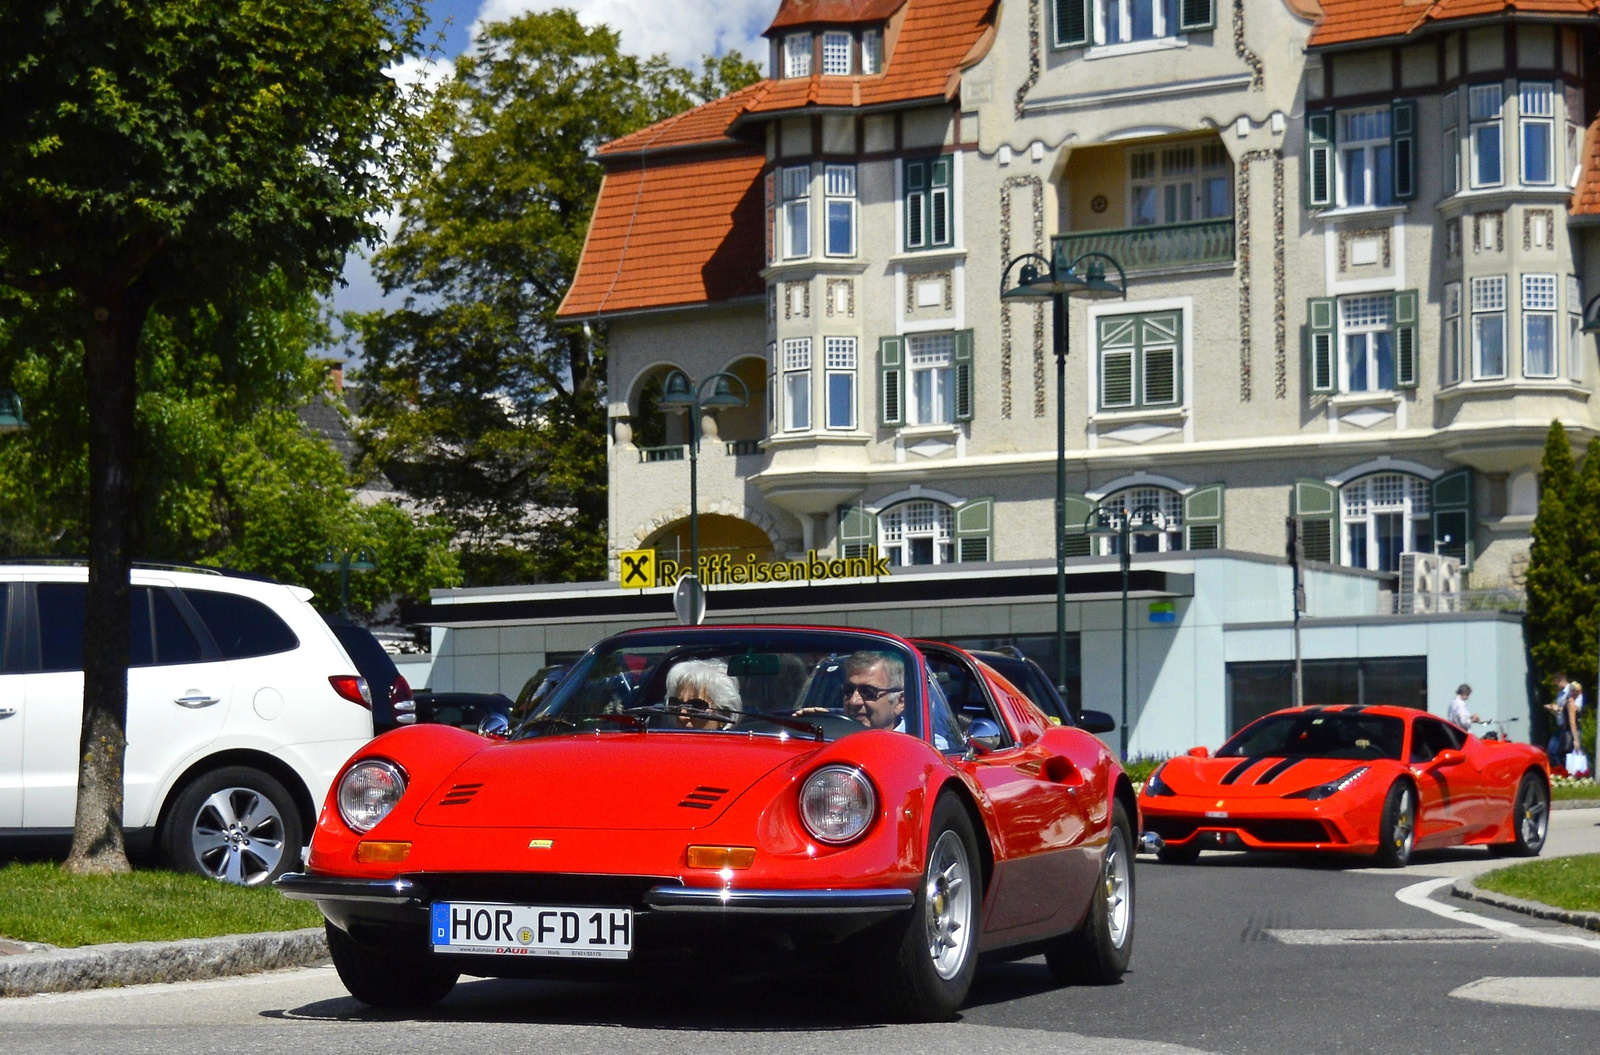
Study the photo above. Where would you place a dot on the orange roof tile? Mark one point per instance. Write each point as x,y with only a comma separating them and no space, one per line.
1349,21
705,124
1586,198
832,12
672,231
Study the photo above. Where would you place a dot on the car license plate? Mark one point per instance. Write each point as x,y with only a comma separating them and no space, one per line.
1217,814
532,930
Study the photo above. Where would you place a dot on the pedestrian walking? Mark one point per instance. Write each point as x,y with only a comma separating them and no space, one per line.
1460,713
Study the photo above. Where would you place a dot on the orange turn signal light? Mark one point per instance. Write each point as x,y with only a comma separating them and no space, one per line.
373,852
722,856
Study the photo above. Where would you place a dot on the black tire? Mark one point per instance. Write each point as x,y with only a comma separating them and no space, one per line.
916,985
1530,819
235,824
1186,854
1397,829
1097,953
374,977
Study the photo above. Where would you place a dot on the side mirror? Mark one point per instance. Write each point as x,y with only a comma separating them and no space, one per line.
1096,722
495,726
1448,757
1199,752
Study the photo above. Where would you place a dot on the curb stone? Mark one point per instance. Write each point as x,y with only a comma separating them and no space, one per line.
144,962
1575,804
1466,889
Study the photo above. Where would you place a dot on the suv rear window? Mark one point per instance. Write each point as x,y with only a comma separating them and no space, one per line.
242,627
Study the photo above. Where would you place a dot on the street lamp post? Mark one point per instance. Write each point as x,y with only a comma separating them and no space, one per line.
1058,280
1123,524
344,561
681,392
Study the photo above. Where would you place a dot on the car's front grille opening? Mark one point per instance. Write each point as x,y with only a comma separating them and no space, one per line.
703,797
460,794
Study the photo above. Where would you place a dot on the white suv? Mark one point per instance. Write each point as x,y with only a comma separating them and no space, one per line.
242,706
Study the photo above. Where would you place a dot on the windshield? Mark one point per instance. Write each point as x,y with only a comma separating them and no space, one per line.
780,683
1318,734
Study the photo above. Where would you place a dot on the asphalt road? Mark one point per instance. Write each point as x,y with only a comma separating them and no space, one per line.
1234,954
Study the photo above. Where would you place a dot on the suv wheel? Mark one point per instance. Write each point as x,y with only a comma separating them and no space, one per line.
235,824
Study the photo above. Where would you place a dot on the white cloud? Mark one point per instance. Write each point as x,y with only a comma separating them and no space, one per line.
684,29
428,71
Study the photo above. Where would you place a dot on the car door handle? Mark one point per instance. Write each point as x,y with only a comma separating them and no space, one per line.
6,712
194,701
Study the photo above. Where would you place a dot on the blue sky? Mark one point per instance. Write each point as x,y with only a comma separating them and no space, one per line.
683,29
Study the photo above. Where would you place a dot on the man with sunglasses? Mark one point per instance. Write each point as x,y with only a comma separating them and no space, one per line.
875,690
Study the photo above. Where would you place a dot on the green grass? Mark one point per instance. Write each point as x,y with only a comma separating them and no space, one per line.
1566,882
1586,790
1139,769
39,902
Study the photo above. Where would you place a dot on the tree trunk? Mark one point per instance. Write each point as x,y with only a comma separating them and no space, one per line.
110,365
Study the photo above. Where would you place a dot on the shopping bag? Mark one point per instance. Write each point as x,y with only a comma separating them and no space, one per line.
1577,764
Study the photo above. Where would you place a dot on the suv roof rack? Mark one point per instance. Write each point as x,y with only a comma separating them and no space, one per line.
148,565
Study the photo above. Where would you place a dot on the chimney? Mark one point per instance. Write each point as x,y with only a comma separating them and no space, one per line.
336,374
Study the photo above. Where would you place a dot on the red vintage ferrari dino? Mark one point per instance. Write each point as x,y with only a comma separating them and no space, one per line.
734,798
1359,780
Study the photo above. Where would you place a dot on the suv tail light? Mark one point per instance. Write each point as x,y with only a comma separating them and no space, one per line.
352,688
402,702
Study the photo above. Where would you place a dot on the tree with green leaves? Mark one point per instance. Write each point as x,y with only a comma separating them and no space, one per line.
1560,621
161,155
480,404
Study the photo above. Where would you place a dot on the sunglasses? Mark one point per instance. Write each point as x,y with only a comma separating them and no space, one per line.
694,703
868,693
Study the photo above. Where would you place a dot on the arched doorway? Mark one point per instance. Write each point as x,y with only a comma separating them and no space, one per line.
719,534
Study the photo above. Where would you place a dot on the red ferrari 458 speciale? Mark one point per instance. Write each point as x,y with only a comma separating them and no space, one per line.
1358,780
733,798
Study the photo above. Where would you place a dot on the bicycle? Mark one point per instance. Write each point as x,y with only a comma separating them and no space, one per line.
1499,730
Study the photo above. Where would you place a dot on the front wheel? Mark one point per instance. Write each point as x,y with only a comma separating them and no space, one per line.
235,824
1530,819
375,978
1397,830
1097,953
927,962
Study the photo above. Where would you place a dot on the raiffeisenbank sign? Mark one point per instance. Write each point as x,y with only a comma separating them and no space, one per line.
640,569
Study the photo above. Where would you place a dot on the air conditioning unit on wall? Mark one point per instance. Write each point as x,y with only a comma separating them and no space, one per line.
1429,583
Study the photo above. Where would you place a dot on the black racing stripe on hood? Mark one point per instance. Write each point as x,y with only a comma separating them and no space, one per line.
1278,770
1238,771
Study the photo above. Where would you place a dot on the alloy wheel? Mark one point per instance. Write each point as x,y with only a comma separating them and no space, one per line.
238,836
1533,815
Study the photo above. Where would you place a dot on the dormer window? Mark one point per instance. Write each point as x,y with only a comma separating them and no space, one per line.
836,54
797,55
872,51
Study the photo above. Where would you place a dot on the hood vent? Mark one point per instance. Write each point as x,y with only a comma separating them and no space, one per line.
460,794
703,798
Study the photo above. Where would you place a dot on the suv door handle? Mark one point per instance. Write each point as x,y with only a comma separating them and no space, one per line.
194,701
6,712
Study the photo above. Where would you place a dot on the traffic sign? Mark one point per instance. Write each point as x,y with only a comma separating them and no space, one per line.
689,601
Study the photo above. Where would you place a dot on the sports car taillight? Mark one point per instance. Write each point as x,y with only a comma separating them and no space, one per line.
837,804
1332,787
368,791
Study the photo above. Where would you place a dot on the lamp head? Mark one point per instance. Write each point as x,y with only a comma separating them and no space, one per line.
723,394
1093,284
1031,286
678,394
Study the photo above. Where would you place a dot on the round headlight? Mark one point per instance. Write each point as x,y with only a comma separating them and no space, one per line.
837,804
368,791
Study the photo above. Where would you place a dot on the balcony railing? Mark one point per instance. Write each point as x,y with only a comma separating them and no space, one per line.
743,447
1150,248
662,454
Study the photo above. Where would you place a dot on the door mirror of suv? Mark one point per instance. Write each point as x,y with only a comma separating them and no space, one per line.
1199,752
1096,722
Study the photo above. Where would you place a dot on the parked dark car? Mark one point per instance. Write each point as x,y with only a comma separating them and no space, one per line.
1025,674
392,703
464,710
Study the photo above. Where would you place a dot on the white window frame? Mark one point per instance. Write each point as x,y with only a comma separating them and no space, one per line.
1368,317
1574,329
1164,19
838,193
1168,540
1451,142
919,518
1536,109
1359,134
836,54
797,384
936,369
839,362
1486,103
1450,333
1178,176
773,410
796,185
798,55
1361,504
1539,308
871,52
1488,306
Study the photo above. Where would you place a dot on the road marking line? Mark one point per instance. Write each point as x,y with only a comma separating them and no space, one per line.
1386,936
1419,895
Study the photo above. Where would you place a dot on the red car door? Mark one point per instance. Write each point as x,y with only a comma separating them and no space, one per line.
1450,797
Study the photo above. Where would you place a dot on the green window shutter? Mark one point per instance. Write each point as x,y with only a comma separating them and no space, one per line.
1319,158
891,381
858,531
1202,518
1072,23
1403,130
941,228
1077,539
1405,339
963,372
1196,15
975,531
1160,361
915,179
1452,516
1317,506
1321,365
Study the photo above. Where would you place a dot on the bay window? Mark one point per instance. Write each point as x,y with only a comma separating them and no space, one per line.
1452,332
1539,325
797,211
839,361
797,384
839,192
1574,328
1485,105
1488,327
797,48
836,54
872,51
1536,115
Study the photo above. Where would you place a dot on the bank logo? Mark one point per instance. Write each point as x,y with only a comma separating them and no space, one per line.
636,568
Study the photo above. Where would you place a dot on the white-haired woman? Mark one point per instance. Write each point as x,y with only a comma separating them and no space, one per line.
701,694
